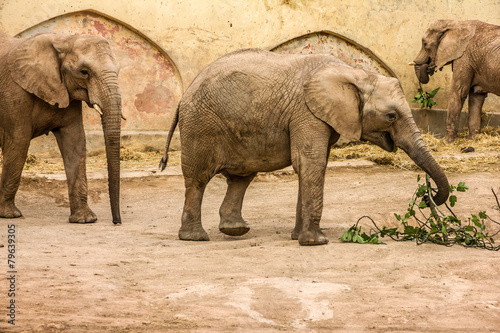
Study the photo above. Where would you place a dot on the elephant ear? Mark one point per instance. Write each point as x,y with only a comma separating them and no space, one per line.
332,94
34,65
455,38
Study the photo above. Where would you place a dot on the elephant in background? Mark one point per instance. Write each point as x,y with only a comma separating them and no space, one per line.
43,80
254,110
473,49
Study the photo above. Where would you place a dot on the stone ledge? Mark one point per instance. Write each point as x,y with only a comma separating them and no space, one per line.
46,145
434,120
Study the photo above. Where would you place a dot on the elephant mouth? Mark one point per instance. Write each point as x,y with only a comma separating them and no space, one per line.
381,139
387,143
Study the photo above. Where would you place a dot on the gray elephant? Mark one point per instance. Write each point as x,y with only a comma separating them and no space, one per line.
255,110
473,49
43,80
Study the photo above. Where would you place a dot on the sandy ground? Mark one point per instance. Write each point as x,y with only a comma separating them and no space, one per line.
138,277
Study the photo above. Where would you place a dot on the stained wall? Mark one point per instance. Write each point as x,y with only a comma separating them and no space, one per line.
163,44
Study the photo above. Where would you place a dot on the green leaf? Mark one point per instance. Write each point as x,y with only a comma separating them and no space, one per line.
422,204
483,215
461,187
398,217
346,236
476,221
358,239
410,230
421,191
434,92
453,200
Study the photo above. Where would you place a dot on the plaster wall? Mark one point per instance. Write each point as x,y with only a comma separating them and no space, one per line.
193,33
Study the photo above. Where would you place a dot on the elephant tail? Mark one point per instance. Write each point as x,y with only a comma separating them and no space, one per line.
164,159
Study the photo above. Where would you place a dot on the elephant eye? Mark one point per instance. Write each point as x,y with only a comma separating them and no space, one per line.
392,116
84,72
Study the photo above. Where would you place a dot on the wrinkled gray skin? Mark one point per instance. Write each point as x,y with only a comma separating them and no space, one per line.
473,49
43,80
255,110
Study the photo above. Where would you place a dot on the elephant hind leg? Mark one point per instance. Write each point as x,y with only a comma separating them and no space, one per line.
231,221
191,227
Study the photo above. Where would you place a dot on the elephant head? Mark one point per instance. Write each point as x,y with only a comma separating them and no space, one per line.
369,107
444,42
58,69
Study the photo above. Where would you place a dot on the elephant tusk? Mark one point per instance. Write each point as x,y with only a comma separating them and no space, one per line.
98,109
413,63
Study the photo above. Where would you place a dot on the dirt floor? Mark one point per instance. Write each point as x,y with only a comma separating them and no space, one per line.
138,277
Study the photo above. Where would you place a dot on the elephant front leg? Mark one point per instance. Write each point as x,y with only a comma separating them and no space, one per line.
311,185
191,228
458,94
476,101
298,218
231,221
15,151
71,142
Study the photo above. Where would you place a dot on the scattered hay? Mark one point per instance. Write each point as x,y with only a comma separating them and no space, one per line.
449,155
126,154
151,149
31,160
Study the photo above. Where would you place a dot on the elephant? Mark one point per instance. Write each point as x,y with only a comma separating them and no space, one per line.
258,111
473,49
43,81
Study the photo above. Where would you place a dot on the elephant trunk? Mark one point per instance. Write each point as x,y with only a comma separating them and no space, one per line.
418,152
110,102
422,66
422,74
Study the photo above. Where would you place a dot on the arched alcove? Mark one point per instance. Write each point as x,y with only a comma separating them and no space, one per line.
150,83
343,48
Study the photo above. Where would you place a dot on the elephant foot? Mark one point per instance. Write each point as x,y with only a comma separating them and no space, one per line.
234,228
9,211
295,234
449,138
312,237
193,234
472,136
83,216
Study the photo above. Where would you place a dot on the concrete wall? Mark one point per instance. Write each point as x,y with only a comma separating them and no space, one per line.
189,35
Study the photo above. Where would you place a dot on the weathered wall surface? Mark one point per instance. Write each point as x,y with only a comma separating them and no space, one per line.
186,36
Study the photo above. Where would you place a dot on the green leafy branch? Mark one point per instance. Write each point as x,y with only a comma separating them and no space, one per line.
432,226
426,99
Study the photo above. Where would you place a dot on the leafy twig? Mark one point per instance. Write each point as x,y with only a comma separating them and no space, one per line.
425,98
437,228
